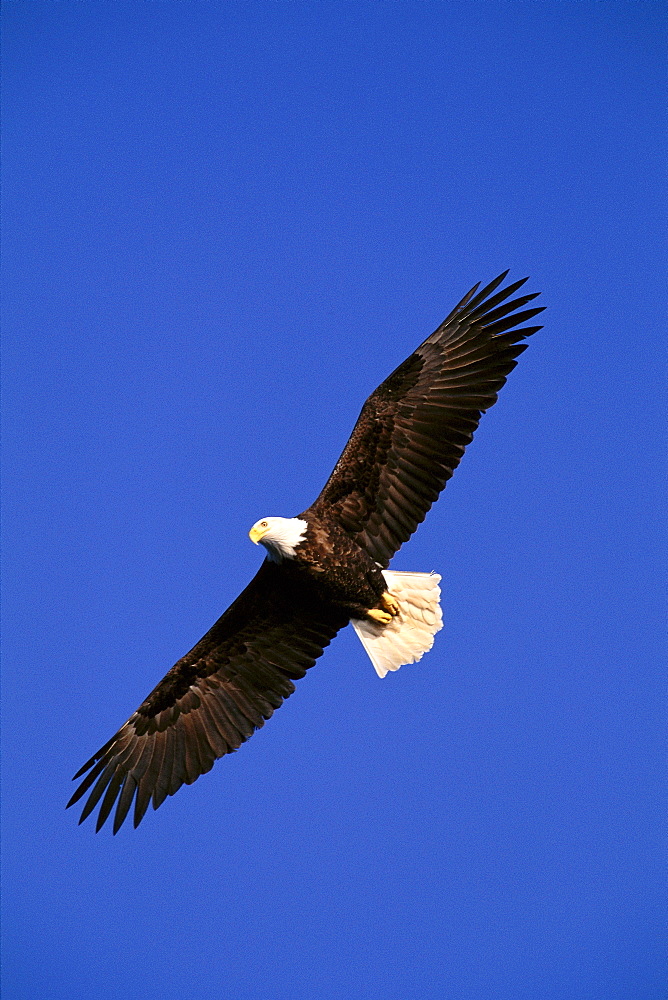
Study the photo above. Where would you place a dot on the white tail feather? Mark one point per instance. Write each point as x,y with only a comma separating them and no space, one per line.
411,633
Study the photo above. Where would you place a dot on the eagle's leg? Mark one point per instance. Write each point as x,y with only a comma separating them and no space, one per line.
388,610
390,603
376,615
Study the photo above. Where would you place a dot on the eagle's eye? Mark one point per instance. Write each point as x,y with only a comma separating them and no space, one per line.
264,524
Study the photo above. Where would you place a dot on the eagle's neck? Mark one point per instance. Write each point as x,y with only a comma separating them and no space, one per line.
285,535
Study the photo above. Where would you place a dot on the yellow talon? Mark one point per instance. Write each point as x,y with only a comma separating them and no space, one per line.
382,617
390,603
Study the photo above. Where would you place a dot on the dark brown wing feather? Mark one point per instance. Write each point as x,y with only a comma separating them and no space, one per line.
412,431
214,698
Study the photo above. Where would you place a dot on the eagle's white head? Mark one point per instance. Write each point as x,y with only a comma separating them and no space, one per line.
279,535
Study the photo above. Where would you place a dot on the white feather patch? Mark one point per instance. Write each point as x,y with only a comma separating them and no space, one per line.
411,633
283,537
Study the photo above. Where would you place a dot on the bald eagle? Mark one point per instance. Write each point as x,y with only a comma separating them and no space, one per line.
326,567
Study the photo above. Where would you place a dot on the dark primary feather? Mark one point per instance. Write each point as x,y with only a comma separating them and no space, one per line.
412,431
212,699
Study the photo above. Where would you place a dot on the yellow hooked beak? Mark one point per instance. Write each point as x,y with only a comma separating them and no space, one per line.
258,531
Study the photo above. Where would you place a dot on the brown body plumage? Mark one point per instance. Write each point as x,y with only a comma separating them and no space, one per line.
338,567
409,438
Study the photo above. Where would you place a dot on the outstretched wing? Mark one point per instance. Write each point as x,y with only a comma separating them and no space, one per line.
412,431
213,698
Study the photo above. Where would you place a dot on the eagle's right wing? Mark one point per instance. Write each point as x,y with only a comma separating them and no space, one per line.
213,698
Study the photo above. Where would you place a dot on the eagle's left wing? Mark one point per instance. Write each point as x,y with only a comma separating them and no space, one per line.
412,431
213,698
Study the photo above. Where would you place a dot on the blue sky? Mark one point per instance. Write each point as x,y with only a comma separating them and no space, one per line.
224,225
